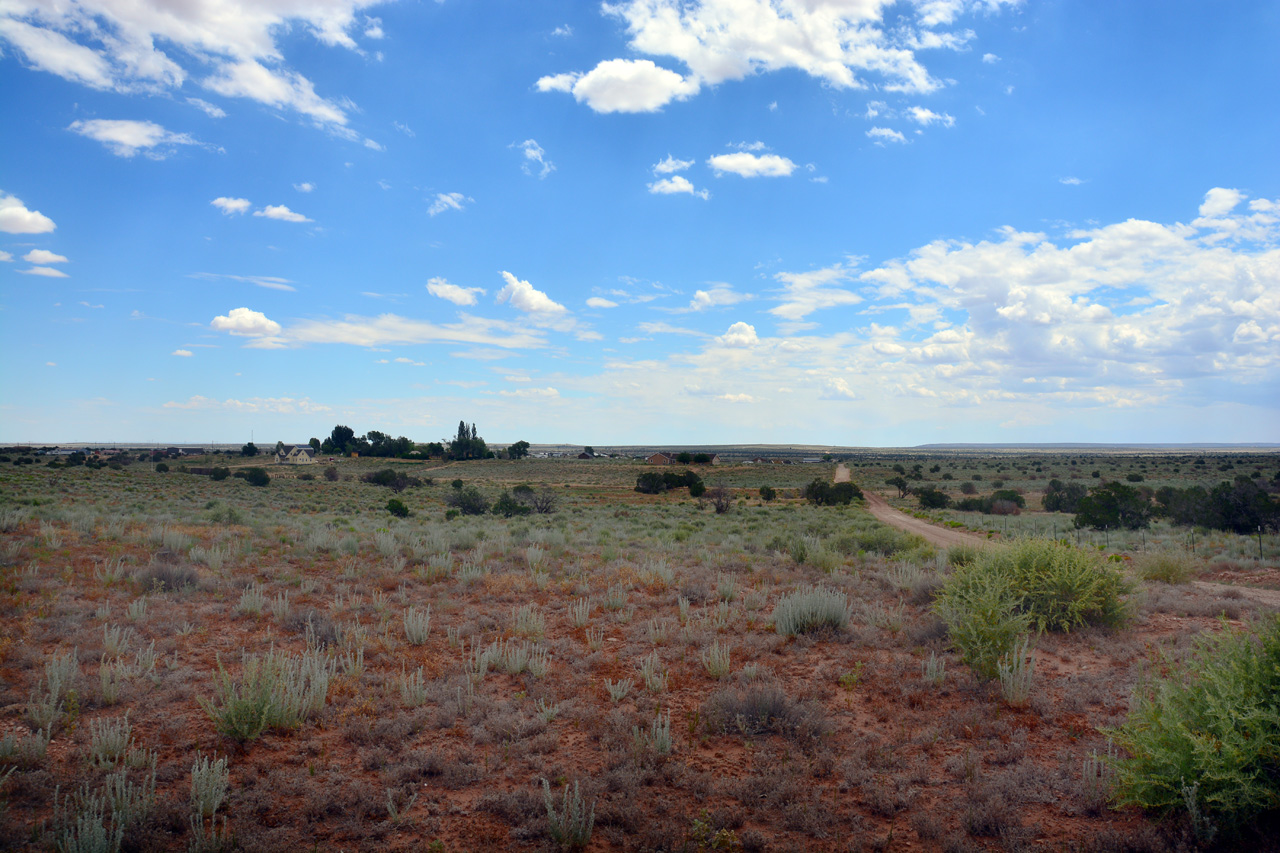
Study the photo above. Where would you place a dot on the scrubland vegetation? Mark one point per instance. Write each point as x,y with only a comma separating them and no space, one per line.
535,655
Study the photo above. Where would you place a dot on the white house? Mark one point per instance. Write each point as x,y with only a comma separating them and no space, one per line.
296,454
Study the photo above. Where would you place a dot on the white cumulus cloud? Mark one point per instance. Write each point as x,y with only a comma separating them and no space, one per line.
184,353
601,302
881,135
670,165
245,322
843,43
676,185
280,212
623,86
233,47
717,297
125,138
454,293
43,256
15,218
740,334
836,388
1219,202
231,206
752,165
45,272
926,117
527,298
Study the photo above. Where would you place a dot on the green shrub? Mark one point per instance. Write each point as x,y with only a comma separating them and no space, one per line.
1206,739
162,468
931,498
253,476
569,825
396,507
1062,587
219,473
811,609
1004,592
768,493
983,617
467,500
277,691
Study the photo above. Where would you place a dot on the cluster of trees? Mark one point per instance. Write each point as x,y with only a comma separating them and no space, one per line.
343,441
655,483
468,444
682,458
1242,506
822,493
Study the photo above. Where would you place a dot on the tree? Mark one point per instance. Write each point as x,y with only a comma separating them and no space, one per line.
1114,505
544,502
279,447
684,457
519,450
821,493
589,450
768,493
249,449
1063,497
900,483
341,439
315,444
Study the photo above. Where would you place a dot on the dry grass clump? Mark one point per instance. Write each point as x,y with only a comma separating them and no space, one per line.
1166,566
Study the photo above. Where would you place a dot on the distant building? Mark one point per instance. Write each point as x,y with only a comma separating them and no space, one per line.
296,454
585,455
661,459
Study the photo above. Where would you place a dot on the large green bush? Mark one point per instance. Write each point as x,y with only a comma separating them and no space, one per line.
1036,584
1206,739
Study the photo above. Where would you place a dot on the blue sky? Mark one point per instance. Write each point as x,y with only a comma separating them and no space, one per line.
789,221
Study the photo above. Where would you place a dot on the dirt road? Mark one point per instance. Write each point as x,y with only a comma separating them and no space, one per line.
941,536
